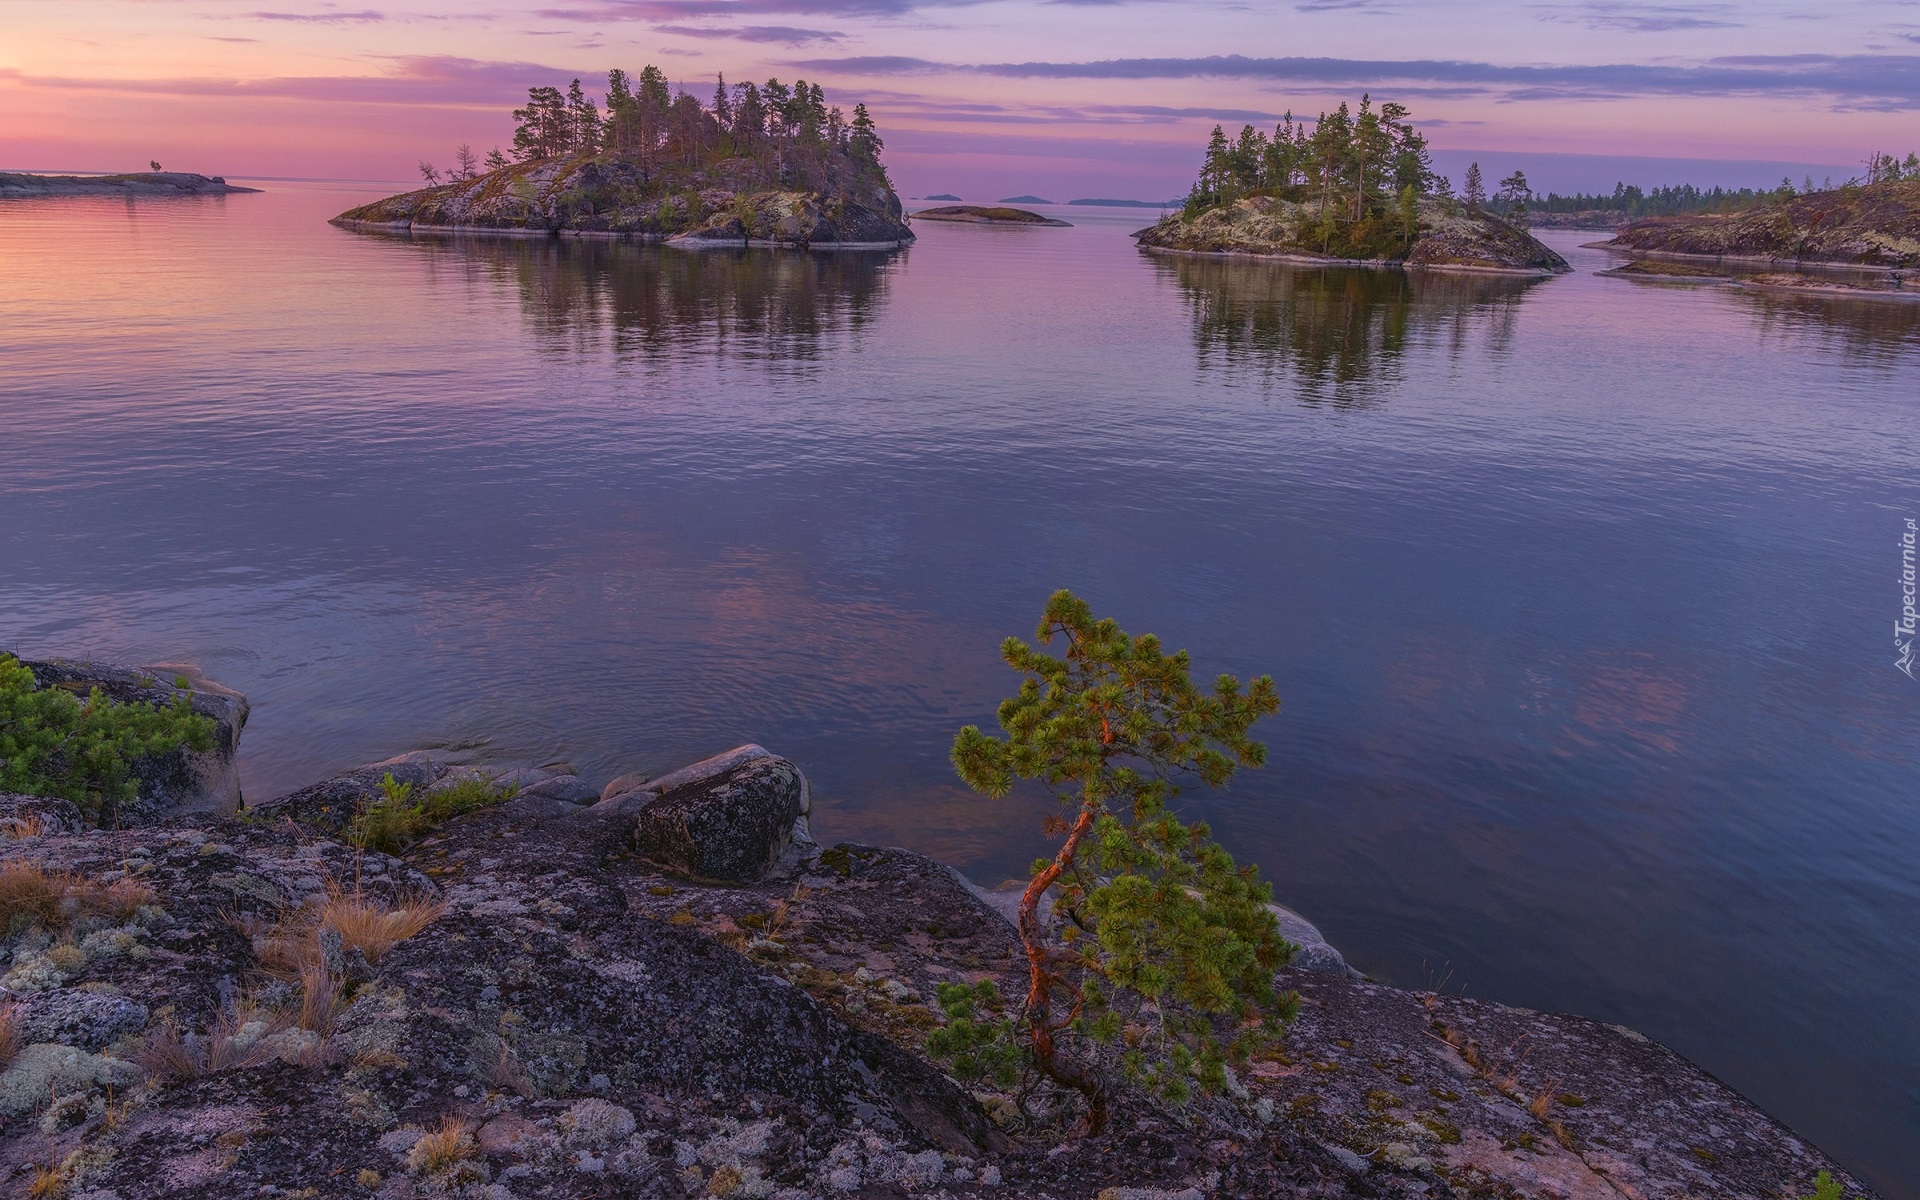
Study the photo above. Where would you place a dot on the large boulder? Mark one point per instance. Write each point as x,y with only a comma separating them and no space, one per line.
728,819
182,781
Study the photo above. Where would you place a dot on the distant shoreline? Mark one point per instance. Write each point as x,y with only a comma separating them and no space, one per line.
26,185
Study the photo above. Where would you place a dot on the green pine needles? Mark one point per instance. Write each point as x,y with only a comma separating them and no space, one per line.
54,744
1157,966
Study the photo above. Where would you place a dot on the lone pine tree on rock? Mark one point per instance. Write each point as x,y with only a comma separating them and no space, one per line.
1157,964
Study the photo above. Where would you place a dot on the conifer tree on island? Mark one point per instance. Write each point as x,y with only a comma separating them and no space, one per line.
1157,966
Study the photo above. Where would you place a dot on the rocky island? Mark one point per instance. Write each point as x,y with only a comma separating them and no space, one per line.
1356,188
15,184
764,165
1870,225
438,978
977,214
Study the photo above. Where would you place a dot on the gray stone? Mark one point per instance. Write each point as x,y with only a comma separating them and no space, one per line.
730,825
72,1017
570,788
37,816
623,785
1316,954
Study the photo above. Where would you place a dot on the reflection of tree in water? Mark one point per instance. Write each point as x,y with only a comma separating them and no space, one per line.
1880,332
1325,330
653,301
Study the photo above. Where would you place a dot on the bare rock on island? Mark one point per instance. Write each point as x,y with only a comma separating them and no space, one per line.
730,203
1449,238
1872,226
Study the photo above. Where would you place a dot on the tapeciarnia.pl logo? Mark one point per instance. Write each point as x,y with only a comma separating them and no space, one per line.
1903,628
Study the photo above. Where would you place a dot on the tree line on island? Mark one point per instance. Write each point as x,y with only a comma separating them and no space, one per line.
791,130
1361,172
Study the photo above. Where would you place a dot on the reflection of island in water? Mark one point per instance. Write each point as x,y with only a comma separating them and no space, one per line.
1873,329
1325,329
660,302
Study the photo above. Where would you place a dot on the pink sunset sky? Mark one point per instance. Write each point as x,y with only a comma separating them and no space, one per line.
984,99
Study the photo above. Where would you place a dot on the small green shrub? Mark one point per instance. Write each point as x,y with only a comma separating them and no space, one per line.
53,744
979,1044
394,820
1826,1187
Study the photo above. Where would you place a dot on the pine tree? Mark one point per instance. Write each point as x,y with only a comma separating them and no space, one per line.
465,164
750,115
864,141
1216,170
1514,194
583,120
495,159
541,129
429,174
1475,191
722,110
1161,940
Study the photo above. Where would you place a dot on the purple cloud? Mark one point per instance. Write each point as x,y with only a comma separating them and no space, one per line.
784,34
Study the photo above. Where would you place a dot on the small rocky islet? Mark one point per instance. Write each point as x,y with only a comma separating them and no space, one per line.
1448,236
979,214
738,201
22,185
667,988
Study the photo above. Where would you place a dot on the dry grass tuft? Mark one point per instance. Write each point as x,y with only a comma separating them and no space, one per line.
9,1032
372,926
55,900
49,1183
444,1149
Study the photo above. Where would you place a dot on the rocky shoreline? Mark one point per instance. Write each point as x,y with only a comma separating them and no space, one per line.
727,205
668,988
19,185
1877,225
1448,238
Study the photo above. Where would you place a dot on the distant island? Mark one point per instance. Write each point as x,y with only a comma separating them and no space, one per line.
944,196
20,185
980,215
1875,224
1357,188
1128,203
767,165
1023,200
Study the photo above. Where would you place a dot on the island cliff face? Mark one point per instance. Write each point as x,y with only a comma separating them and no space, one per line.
1448,237
734,201
667,989
1877,225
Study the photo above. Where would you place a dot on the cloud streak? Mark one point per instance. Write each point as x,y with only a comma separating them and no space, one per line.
783,34
1881,81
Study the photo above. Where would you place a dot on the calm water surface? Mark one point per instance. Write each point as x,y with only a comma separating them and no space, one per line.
1579,592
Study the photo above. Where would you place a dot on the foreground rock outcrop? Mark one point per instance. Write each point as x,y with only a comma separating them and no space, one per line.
147,183
730,203
1874,226
532,1000
181,781
1449,237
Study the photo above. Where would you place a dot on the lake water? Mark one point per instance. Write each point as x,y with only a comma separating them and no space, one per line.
1579,592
